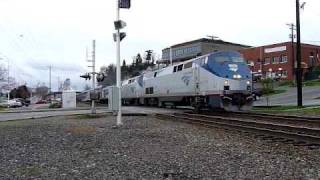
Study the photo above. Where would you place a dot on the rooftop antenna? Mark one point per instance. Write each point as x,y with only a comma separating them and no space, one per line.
302,5
212,37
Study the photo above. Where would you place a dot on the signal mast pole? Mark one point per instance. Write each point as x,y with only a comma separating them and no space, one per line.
93,107
93,66
119,116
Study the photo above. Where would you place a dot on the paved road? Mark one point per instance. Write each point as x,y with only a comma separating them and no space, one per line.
30,115
20,114
310,95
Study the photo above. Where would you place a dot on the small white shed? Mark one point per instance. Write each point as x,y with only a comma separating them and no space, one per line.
69,99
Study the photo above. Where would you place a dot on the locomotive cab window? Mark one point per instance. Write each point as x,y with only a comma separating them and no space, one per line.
149,90
155,74
175,69
188,65
180,67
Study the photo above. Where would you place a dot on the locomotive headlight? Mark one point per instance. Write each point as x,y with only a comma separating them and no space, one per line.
226,82
248,82
237,76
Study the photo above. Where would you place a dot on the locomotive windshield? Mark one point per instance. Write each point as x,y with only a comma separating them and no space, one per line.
228,57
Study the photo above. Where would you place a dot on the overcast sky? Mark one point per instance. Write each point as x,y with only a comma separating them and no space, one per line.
37,33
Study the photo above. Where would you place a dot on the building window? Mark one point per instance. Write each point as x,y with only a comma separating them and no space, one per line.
284,73
275,60
284,59
312,60
267,61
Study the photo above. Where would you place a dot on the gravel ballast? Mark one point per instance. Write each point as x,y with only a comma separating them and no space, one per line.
144,148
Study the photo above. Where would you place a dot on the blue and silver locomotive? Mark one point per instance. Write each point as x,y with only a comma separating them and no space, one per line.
218,80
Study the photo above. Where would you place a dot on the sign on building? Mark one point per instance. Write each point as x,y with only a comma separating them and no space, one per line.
275,49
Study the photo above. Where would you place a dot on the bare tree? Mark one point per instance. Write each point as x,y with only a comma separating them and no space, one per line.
42,91
3,73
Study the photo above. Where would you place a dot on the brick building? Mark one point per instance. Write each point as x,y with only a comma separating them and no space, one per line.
276,60
199,47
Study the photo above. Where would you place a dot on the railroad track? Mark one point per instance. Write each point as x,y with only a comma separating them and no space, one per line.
312,122
282,129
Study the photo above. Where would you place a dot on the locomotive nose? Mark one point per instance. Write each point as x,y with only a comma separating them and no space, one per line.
237,101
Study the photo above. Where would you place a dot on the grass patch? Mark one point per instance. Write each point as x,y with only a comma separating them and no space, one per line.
274,108
286,83
278,91
312,83
291,110
90,116
29,171
81,130
16,123
275,92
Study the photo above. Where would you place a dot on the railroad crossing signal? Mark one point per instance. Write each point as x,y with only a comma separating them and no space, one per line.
100,77
149,54
86,76
119,24
125,4
122,36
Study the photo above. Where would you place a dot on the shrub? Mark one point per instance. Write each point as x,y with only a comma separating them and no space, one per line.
55,105
287,83
267,86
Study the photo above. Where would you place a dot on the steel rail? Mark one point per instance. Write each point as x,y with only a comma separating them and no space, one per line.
304,134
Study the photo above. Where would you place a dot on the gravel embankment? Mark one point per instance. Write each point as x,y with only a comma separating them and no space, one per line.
144,148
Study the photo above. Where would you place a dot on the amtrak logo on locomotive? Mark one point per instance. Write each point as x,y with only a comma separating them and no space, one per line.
186,79
233,67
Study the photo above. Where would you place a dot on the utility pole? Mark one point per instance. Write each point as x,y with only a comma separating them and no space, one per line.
299,72
50,67
292,36
170,54
93,108
118,36
8,80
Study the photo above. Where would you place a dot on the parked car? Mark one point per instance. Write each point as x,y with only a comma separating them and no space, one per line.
42,102
4,104
11,104
24,102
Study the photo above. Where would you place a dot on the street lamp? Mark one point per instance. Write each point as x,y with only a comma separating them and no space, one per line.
270,72
280,74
